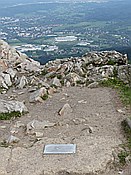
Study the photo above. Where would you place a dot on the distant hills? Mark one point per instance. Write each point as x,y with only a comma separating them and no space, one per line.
7,3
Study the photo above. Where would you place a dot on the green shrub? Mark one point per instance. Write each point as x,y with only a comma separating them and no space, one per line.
80,82
111,62
45,97
124,90
127,133
122,157
9,115
62,82
127,145
44,72
59,76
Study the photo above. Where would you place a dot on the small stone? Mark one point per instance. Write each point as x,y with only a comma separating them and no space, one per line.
4,92
12,97
13,139
82,101
90,129
121,111
68,84
32,89
14,91
19,124
56,82
37,126
51,90
20,93
11,72
39,134
128,122
93,85
3,171
120,172
65,109
3,127
7,79
37,95
23,82
13,131
66,95
78,121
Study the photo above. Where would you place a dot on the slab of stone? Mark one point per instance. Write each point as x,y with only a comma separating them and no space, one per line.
60,149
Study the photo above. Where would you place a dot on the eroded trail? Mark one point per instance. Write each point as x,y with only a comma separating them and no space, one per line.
93,123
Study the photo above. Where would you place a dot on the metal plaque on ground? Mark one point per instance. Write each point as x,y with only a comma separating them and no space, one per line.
60,149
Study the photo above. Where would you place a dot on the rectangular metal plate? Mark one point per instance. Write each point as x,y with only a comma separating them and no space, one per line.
60,149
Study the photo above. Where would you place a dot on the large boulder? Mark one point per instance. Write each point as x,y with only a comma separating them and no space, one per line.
11,106
23,82
15,67
2,83
7,79
29,65
11,72
124,73
10,57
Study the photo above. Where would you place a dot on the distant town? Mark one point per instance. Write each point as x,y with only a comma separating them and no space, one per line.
66,34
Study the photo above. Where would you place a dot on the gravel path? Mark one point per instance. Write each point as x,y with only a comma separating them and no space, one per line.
94,125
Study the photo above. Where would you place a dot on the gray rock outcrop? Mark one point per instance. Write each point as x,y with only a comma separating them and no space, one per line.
91,67
11,106
16,69
13,65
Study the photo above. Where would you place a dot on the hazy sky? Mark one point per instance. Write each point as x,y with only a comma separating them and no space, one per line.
7,3
24,1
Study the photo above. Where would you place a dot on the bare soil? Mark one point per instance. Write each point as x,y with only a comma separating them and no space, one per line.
94,126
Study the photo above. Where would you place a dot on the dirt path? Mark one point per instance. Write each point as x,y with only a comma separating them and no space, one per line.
94,125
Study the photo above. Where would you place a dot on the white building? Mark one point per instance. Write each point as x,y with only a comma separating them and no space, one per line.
66,38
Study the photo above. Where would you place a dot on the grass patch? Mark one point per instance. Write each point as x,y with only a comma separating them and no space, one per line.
1,90
127,146
44,72
45,97
9,115
62,82
80,82
4,144
122,157
127,133
59,76
111,62
125,90
125,94
53,86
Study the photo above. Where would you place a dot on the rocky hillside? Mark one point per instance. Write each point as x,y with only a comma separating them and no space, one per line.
17,70
74,115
